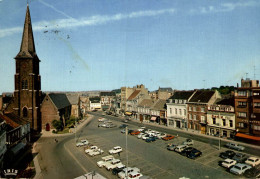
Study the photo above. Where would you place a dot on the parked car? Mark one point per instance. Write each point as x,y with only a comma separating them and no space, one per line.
95,152
105,160
239,168
161,135
82,143
123,131
101,119
134,174
123,126
180,148
253,161
194,154
187,150
110,125
227,163
118,169
150,139
115,150
141,129
114,163
129,170
130,130
171,147
188,142
252,173
240,158
90,149
168,137
227,154
135,132
235,146
140,135
146,136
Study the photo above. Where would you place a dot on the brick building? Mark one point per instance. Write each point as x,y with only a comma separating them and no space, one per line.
27,95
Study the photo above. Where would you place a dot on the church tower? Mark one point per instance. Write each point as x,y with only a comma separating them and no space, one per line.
27,94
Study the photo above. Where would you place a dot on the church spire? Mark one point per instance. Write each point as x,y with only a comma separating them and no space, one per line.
27,49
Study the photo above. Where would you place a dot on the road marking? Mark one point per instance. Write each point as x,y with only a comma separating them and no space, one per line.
83,168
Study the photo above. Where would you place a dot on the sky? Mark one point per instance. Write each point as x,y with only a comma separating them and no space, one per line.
103,45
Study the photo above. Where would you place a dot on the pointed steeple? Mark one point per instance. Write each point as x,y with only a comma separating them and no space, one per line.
27,49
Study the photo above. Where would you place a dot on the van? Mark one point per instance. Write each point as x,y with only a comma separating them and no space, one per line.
180,148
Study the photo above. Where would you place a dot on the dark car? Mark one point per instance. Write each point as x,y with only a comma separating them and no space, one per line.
123,126
252,173
130,130
115,171
150,139
240,158
227,154
194,154
186,151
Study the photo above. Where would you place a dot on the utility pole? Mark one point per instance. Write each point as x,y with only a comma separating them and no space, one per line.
126,133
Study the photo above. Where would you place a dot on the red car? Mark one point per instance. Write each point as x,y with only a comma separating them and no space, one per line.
135,132
168,137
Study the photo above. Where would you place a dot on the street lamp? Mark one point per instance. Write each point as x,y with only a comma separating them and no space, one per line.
126,133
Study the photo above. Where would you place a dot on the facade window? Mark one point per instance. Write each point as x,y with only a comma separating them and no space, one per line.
241,125
184,112
24,84
25,112
203,109
194,117
241,104
175,110
194,108
224,122
180,101
242,114
257,105
190,108
202,118
190,116
170,110
214,120
230,123
257,128
241,93
180,111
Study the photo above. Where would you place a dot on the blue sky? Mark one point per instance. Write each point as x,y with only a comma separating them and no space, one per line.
104,45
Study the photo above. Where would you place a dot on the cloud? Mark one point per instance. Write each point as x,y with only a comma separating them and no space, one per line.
87,21
224,7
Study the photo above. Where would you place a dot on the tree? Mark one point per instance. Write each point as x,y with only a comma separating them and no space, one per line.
57,125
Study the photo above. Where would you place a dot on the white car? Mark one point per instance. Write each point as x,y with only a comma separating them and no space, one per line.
101,119
156,133
116,163
140,135
104,160
146,136
227,163
148,131
239,168
161,135
134,174
82,143
115,150
95,152
90,149
253,161
188,142
122,174
141,130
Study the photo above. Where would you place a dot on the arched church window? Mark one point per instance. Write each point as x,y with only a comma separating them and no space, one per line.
25,112
24,84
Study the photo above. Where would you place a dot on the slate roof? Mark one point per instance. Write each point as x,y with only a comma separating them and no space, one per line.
146,103
111,93
185,95
134,94
227,101
202,96
165,89
95,99
159,104
60,100
73,98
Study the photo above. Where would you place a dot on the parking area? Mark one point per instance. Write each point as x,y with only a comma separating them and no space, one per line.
153,159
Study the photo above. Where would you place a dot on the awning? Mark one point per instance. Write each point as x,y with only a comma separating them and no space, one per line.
128,113
248,136
153,118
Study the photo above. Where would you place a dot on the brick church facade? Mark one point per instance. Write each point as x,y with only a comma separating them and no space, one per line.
27,95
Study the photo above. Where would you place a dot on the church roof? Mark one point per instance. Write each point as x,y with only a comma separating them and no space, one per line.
73,98
27,49
60,100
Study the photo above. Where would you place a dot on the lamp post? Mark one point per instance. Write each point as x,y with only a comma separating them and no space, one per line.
126,133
